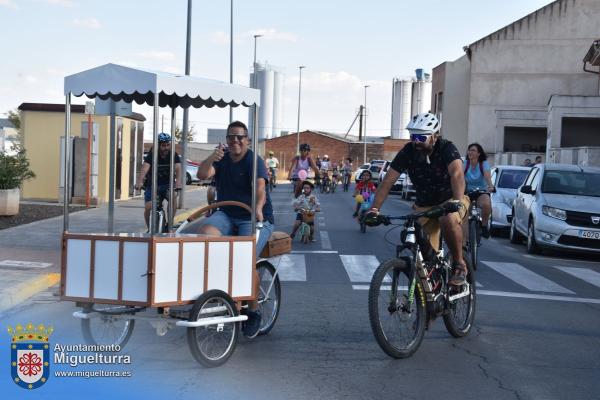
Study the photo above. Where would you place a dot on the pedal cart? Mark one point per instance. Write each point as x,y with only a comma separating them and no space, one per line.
171,280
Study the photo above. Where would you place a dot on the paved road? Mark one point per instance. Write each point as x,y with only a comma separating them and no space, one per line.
535,337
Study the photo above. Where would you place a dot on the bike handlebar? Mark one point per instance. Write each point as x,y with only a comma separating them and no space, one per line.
434,212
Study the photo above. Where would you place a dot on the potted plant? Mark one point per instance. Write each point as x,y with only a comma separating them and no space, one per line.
14,170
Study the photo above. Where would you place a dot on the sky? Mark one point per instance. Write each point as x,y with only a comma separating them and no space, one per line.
344,44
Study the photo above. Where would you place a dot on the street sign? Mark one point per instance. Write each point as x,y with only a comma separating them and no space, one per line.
89,107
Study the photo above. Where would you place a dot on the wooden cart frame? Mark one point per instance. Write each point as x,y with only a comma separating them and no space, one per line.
115,278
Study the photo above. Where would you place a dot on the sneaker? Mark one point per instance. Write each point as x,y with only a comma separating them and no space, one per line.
459,277
292,235
355,215
251,327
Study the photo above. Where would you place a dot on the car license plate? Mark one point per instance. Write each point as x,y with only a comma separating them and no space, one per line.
590,234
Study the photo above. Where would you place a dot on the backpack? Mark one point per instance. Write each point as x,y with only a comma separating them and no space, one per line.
480,167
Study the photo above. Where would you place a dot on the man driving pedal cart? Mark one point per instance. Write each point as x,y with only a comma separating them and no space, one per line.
232,171
436,171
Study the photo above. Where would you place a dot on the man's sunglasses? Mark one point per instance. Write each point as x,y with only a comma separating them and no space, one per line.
416,137
239,138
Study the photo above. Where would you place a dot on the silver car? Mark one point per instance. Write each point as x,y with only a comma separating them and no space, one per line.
506,180
558,206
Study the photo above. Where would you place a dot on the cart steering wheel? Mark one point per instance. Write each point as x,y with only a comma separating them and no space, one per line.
218,204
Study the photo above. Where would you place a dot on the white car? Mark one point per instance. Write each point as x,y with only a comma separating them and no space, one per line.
506,180
408,190
359,171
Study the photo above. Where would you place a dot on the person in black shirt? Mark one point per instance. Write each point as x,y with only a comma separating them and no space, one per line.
436,170
163,176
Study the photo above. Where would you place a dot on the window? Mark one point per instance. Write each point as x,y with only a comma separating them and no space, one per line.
580,132
524,139
512,179
572,182
531,175
536,181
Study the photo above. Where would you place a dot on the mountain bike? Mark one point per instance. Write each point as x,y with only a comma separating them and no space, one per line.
346,180
410,290
475,225
272,178
162,209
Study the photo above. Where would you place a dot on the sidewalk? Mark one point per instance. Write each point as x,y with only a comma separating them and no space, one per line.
30,253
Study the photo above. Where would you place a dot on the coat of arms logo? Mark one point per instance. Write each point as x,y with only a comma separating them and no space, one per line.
30,355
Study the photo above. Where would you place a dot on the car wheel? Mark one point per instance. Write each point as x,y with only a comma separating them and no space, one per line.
514,236
188,179
532,246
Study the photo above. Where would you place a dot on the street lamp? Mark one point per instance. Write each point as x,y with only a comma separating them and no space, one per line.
254,64
365,133
298,126
231,57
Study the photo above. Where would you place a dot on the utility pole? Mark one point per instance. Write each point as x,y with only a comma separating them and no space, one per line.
298,126
360,122
365,137
230,57
188,44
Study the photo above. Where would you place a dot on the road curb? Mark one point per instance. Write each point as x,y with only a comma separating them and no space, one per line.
24,290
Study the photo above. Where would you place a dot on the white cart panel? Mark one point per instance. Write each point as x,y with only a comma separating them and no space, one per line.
192,277
106,270
166,272
78,268
242,269
135,268
218,266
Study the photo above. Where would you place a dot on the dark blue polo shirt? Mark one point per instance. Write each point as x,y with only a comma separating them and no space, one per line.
234,182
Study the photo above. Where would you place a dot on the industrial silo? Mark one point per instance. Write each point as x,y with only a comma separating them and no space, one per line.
421,93
265,82
401,107
277,103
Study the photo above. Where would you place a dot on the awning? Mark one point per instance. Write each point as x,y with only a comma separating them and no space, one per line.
117,82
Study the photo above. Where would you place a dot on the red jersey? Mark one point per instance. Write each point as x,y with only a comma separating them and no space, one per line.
368,187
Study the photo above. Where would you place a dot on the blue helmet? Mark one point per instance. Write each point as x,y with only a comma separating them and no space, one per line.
164,138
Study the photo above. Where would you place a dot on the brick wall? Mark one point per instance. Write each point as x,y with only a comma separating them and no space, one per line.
391,147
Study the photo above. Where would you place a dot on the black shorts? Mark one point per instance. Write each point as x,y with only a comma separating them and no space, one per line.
473,197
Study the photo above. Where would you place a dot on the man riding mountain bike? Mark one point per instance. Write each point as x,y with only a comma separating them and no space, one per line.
163,176
436,171
272,164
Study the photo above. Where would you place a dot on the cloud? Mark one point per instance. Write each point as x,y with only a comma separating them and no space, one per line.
62,3
221,37
89,23
157,55
9,4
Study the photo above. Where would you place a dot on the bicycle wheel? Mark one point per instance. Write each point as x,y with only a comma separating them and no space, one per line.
461,312
304,233
212,345
269,296
473,248
397,324
108,327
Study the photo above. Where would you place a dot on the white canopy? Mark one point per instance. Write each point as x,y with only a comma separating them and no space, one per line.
118,82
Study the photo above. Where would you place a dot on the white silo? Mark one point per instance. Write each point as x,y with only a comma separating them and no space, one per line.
265,82
401,107
277,103
421,93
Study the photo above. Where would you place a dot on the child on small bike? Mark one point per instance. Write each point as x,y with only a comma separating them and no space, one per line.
306,205
364,193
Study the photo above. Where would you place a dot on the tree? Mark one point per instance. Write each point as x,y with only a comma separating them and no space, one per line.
14,117
179,134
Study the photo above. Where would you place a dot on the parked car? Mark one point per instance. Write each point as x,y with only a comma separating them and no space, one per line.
375,170
506,180
360,171
191,172
408,190
384,170
558,207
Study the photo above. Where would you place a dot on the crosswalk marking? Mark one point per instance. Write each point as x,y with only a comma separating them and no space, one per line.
526,278
291,267
538,296
360,268
585,274
325,242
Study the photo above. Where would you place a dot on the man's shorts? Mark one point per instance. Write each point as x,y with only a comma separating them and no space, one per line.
432,226
162,191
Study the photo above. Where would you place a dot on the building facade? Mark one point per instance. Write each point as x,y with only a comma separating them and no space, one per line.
500,92
43,129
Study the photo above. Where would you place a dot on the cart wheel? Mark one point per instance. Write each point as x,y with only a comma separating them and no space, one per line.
269,297
110,327
212,345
